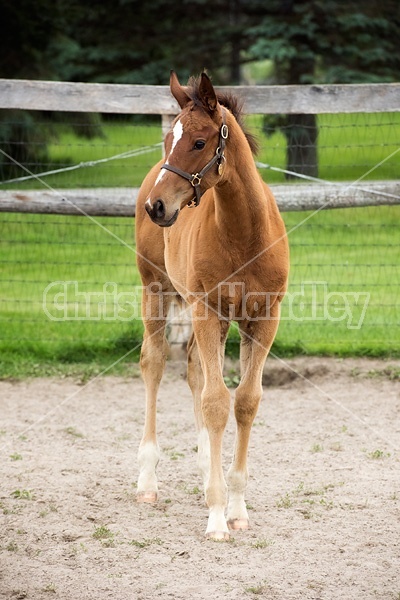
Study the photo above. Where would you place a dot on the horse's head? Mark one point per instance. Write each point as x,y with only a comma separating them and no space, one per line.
194,150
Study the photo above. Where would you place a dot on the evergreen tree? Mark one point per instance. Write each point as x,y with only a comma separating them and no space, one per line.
328,41
131,41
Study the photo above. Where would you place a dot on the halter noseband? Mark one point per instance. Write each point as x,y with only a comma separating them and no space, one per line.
195,178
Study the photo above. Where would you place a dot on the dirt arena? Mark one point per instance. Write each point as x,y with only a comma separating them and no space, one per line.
323,494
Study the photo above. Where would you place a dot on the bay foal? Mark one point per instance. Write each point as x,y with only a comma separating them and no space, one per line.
208,230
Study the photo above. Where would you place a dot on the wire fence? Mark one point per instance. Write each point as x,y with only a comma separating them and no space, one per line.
70,287
343,147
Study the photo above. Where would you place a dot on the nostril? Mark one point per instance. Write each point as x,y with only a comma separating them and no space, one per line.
159,209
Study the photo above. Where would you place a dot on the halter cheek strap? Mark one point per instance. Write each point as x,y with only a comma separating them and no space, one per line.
195,178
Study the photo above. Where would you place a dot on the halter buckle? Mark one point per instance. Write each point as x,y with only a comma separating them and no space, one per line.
224,132
221,164
195,180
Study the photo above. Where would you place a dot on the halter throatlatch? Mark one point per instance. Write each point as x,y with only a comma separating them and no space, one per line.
195,178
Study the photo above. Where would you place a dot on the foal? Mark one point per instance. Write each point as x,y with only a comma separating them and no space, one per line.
227,258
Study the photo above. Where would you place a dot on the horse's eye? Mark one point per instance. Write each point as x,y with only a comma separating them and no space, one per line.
199,145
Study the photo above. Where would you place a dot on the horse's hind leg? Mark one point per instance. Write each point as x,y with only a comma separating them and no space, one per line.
256,343
152,363
196,384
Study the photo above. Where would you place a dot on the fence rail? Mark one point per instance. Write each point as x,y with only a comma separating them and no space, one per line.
145,99
157,99
96,201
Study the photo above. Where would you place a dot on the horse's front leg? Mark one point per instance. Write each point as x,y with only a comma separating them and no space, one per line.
210,336
256,342
152,363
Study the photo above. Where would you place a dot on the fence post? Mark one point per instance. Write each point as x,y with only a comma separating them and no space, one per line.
178,330
166,121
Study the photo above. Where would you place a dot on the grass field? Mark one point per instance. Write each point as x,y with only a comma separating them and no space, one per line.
329,250
337,257
348,146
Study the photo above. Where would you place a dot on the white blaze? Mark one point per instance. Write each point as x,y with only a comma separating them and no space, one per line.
177,133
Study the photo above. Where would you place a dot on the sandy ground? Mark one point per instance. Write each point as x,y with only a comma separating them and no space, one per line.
323,494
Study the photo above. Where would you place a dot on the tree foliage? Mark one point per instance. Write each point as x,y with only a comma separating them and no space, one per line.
131,41
329,40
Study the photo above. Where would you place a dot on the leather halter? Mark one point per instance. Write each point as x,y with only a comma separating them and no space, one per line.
195,178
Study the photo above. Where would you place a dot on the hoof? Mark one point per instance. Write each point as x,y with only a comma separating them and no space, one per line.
218,536
238,524
149,497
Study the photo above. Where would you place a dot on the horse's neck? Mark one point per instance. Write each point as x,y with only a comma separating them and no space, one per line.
241,209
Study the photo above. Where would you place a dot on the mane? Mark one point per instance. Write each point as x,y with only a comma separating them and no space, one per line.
231,102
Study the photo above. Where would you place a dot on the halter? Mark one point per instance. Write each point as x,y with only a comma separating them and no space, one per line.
195,178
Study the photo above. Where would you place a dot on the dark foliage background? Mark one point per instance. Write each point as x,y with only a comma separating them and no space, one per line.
131,41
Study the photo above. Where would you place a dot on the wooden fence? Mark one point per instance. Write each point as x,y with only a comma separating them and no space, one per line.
121,202
138,99
144,99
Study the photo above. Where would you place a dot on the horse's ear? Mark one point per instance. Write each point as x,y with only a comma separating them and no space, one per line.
178,91
207,93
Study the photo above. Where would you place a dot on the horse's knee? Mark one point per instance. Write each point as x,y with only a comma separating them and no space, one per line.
153,355
215,406
246,405
151,361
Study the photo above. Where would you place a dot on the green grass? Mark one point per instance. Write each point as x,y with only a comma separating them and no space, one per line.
23,495
330,249
42,250
349,251
348,146
102,533
334,256
66,150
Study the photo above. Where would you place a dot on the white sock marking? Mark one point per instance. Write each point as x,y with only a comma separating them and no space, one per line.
236,485
216,520
148,457
203,454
